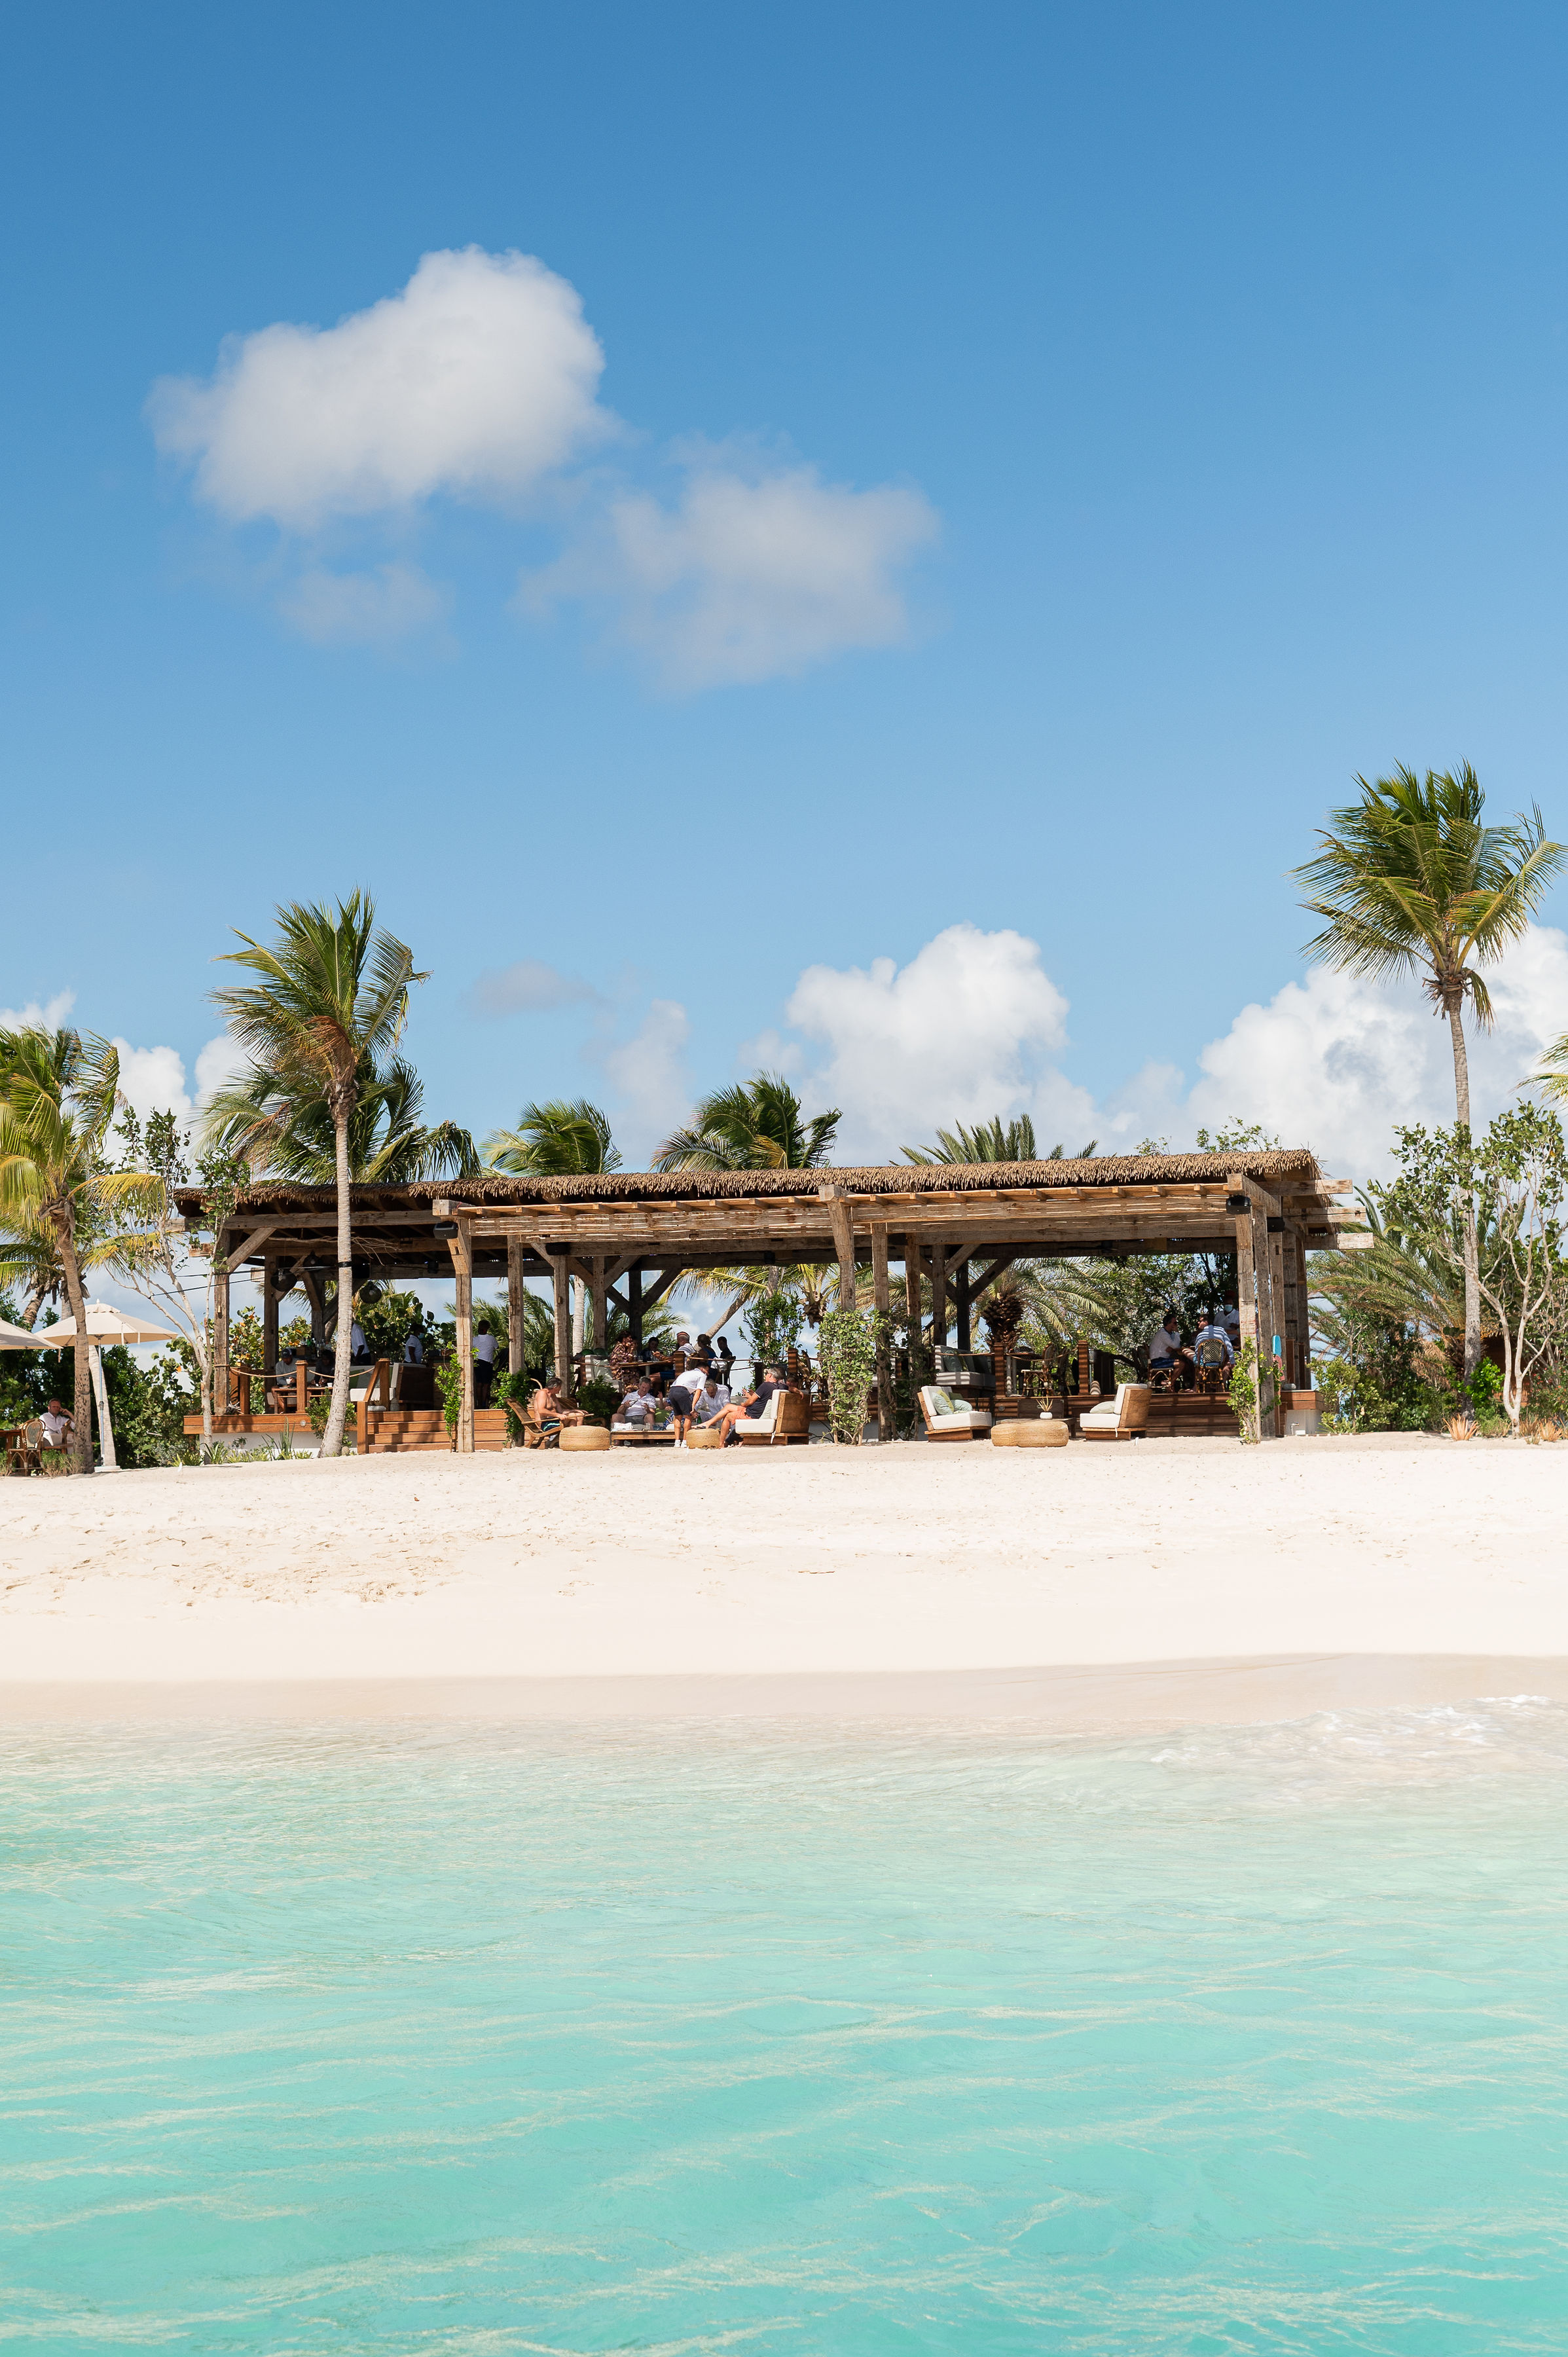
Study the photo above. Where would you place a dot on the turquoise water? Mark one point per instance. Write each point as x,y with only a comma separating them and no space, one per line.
467,2040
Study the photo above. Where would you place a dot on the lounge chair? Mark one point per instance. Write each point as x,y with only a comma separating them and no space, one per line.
947,1418
1122,1418
787,1418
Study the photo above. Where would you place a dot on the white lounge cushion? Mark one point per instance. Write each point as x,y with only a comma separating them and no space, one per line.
963,1419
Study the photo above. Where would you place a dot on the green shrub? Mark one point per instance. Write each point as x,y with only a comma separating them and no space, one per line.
847,1345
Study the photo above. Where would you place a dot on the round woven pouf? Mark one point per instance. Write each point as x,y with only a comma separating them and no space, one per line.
1030,1432
703,1435
584,1435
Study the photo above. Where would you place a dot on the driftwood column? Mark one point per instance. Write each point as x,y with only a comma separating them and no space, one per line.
562,1278
514,1293
882,1299
270,1318
221,1285
938,1294
463,1268
912,1291
844,1242
1260,1288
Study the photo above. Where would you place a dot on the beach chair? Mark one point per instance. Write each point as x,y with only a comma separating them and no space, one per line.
24,1448
786,1419
947,1418
1122,1418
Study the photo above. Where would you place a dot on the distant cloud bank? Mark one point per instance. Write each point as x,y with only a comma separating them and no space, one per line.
478,381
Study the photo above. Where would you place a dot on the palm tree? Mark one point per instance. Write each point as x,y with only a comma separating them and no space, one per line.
992,1141
755,1125
561,1139
332,994
262,1118
1410,880
57,1099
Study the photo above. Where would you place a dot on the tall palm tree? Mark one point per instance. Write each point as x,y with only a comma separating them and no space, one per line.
992,1141
332,994
755,1125
1411,880
264,1119
57,1099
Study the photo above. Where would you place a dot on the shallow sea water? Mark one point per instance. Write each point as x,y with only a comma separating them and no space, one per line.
470,2039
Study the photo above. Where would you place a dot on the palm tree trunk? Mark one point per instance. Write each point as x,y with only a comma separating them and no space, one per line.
1472,1252
82,1400
332,1439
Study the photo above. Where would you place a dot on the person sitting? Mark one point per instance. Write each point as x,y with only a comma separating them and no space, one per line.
1230,1318
638,1404
59,1429
754,1405
723,1359
711,1401
546,1414
1212,1354
623,1359
412,1348
1165,1349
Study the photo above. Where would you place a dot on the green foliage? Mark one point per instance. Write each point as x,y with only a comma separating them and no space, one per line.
756,1125
599,1401
992,1141
1243,1390
1237,1136
772,1324
848,1344
560,1140
388,1317
318,1409
449,1383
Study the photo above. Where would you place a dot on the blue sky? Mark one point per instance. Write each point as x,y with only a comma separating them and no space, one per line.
1039,455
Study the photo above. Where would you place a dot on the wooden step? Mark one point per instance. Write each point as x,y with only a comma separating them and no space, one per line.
397,1430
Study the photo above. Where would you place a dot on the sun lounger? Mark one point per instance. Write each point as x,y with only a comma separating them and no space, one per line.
787,1418
1122,1418
947,1418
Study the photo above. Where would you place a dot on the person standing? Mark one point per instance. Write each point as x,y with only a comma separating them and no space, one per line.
484,1368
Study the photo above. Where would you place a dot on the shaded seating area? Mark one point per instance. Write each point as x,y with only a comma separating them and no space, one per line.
627,1237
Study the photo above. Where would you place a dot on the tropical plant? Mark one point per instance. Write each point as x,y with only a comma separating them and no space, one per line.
1234,1136
772,1324
992,1141
849,1343
1410,881
153,1251
331,1001
559,1140
755,1125
264,1118
1518,1173
57,1099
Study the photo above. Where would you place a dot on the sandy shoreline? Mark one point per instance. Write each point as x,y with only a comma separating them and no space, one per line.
1390,1569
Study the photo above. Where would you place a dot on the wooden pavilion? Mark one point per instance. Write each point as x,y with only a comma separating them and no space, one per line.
630,1236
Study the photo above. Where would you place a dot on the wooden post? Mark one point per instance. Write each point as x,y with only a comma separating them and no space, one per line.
598,1314
301,1390
912,1289
318,1300
881,1297
965,1307
634,1304
270,1319
561,1278
1296,1263
938,1294
844,1242
463,1267
514,1298
221,1344
1259,1300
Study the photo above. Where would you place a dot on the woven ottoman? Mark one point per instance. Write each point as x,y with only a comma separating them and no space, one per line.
584,1435
1030,1432
703,1435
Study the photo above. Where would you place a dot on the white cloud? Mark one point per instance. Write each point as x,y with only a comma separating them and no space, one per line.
752,575
35,1016
964,1031
476,380
1336,1063
529,986
648,1078
390,601
153,1079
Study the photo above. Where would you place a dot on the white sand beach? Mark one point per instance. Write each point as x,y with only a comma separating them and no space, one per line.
1303,1558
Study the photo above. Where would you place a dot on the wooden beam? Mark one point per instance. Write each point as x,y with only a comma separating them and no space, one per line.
220,1344
463,1266
268,1318
882,1301
561,1279
634,1305
515,1290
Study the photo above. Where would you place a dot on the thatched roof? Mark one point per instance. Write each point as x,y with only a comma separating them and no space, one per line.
1284,1165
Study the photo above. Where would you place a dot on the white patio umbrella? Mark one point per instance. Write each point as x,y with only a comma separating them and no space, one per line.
105,1325
16,1337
